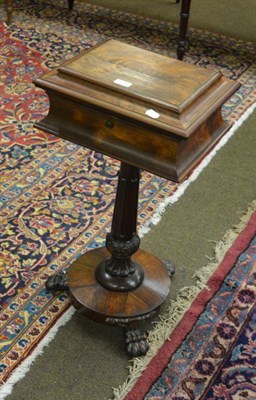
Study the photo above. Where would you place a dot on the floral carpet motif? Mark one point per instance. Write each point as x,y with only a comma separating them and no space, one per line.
215,355
56,198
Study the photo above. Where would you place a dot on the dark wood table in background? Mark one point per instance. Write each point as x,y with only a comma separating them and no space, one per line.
150,112
184,16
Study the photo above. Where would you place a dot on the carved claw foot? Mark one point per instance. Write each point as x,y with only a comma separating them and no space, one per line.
136,342
57,282
170,268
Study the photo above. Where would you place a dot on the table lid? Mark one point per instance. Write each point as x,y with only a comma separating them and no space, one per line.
141,74
142,86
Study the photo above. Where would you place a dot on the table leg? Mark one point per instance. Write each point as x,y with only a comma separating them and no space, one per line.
184,16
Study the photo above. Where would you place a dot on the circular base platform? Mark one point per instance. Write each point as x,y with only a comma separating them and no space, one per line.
114,307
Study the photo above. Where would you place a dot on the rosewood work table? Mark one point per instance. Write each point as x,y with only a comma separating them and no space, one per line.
150,112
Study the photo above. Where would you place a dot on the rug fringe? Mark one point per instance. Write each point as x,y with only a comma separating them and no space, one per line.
175,312
21,370
186,295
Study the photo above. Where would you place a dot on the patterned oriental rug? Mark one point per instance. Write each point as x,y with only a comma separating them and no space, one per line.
211,353
56,198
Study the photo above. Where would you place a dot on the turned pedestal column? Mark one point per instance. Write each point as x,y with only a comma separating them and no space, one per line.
120,284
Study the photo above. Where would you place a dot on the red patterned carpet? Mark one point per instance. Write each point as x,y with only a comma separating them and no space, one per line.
55,201
211,353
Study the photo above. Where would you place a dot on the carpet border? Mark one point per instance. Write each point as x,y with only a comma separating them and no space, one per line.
20,372
186,295
236,244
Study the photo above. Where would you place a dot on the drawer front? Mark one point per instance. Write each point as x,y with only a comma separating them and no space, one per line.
128,142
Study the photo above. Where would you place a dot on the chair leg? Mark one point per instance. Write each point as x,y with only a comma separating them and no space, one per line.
9,10
70,4
184,16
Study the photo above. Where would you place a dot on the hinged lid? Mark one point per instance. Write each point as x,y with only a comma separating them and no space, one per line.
141,74
142,85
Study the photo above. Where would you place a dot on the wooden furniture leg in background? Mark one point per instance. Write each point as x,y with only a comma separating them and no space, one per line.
70,4
184,16
9,10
